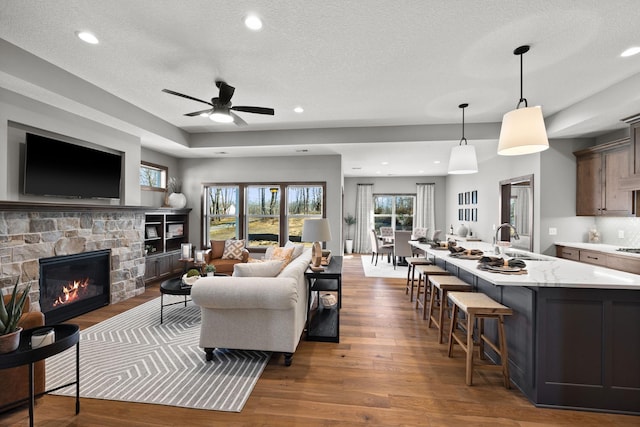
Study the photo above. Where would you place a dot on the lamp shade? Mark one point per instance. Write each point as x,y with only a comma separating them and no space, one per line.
523,132
463,160
316,230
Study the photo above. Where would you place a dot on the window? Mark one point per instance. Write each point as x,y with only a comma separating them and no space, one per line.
153,177
263,214
222,213
393,211
302,202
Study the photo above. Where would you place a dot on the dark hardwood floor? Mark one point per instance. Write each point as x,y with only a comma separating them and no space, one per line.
387,370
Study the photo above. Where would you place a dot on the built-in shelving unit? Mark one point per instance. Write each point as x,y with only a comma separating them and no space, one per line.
164,231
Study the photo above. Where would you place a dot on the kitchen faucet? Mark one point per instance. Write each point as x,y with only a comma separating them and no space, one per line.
495,241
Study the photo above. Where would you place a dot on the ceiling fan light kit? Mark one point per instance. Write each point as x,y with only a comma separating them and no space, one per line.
463,158
221,117
523,130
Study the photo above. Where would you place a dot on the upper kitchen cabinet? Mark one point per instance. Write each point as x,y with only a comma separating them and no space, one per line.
632,182
599,171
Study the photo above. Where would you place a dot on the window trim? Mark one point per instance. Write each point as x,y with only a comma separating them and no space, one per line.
242,186
165,169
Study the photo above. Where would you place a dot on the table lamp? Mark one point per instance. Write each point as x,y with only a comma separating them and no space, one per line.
316,231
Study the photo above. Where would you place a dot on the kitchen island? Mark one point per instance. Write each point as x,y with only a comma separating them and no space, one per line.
574,338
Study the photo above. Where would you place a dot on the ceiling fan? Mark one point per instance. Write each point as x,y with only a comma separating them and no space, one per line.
221,106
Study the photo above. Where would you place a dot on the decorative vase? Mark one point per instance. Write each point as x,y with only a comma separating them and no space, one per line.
10,342
348,246
462,230
177,200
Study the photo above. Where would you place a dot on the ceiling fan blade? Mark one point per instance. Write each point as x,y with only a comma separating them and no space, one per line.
197,113
256,110
186,96
226,92
237,119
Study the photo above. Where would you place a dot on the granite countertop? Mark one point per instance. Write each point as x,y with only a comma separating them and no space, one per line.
549,271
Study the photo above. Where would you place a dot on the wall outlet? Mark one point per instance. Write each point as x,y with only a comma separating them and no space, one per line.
553,231
620,234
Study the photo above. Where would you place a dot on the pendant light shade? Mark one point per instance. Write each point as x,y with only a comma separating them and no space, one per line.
523,130
463,157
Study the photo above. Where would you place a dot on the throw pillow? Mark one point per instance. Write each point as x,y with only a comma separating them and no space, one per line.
298,248
217,249
233,249
282,254
257,269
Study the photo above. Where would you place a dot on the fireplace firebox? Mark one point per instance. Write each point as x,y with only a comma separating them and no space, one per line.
71,285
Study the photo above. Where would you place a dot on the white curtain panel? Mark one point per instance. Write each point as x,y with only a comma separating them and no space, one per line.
425,215
364,218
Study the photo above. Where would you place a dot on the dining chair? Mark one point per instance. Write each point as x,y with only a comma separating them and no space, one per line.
386,233
379,247
417,234
402,248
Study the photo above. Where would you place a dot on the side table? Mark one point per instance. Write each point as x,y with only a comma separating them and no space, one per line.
175,287
324,325
66,335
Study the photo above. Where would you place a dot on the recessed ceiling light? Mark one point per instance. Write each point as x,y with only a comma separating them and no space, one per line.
420,171
253,22
385,163
378,172
631,51
87,37
299,110
436,162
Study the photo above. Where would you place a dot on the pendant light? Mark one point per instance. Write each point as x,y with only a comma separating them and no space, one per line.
523,130
463,157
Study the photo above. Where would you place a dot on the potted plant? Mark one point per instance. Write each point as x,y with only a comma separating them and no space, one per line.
9,316
349,220
210,270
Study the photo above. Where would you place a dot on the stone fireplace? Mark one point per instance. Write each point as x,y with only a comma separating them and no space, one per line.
31,232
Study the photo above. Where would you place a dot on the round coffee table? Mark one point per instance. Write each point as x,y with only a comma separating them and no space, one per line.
175,287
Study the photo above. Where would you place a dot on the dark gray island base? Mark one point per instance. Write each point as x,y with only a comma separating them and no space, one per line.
573,348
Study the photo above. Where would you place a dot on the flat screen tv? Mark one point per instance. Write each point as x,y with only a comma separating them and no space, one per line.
58,168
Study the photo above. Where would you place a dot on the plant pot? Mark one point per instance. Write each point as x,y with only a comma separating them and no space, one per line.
10,342
177,200
210,274
348,246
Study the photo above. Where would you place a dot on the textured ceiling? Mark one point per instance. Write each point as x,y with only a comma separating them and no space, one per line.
349,64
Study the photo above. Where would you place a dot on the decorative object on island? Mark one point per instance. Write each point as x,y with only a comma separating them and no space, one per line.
349,221
185,251
523,130
316,231
463,157
175,198
9,315
463,230
594,235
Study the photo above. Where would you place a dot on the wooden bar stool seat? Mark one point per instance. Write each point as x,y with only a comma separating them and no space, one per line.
479,306
411,272
440,287
424,271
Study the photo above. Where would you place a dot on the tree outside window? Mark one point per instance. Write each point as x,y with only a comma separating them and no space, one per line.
153,177
393,211
222,217
302,202
263,215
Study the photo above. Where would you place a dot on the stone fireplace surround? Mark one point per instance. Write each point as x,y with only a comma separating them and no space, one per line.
30,231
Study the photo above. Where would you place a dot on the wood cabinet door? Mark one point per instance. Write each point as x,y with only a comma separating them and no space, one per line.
568,253
593,257
589,184
616,166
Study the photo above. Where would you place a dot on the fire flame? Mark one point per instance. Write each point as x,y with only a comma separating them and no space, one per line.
72,292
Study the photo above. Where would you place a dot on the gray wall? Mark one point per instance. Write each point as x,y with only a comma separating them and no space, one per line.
195,172
17,111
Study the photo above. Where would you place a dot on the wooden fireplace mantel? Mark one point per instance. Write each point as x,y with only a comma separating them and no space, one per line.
18,206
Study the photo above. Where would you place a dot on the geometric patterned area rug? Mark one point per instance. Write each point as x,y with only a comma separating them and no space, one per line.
383,269
132,357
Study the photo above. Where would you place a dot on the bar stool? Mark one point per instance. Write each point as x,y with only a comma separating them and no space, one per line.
442,285
479,306
424,271
411,272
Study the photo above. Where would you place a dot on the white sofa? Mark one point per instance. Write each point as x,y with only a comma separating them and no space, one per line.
254,313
